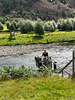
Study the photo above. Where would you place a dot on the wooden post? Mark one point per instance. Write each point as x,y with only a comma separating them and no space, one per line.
62,73
73,64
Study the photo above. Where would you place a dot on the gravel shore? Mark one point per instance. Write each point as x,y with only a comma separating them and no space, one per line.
21,49
24,49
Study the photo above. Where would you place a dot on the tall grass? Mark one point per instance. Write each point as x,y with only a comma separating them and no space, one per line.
31,38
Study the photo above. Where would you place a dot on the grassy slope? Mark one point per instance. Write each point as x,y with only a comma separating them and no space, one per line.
40,88
24,39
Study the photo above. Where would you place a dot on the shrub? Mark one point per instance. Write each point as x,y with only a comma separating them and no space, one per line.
2,20
26,26
8,25
6,6
16,25
12,27
63,13
12,72
1,26
47,26
39,28
69,25
73,22
50,26
54,24
61,24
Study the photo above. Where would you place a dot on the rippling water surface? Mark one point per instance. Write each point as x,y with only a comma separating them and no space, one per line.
60,53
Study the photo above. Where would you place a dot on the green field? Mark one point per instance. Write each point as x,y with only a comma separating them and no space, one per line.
31,38
39,88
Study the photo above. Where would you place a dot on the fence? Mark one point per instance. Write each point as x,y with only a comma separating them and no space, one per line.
73,66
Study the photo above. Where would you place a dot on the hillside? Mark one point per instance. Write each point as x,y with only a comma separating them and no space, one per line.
44,9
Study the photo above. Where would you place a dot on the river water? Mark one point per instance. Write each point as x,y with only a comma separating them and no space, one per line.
62,54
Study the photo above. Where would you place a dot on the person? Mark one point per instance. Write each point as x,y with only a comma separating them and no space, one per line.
45,54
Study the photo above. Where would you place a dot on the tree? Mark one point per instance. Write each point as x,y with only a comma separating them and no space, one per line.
8,25
50,26
73,22
12,27
69,25
61,24
39,28
16,25
26,26
1,26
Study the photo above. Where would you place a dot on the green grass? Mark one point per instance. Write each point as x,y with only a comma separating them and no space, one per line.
5,29
48,37
39,88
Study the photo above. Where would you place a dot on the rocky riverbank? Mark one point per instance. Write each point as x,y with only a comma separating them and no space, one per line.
20,49
23,49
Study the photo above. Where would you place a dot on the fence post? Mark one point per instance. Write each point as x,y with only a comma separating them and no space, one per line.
62,73
73,64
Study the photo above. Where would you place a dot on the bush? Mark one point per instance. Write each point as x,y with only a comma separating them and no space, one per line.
69,25
26,26
50,26
8,25
12,72
16,25
39,28
61,24
63,13
73,22
47,26
12,27
54,24
1,26
2,20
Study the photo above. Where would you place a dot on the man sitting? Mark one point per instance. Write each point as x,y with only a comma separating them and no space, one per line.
45,59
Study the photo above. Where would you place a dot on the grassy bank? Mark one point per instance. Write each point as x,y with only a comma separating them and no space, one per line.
39,88
25,39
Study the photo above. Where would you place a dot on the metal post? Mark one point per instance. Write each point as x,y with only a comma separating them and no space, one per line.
73,64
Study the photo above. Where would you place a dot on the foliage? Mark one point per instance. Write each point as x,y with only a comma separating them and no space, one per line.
8,25
2,20
39,29
50,26
26,26
12,27
16,24
1,26
63,13
6,6
63,1
69,25
61,24
17,4
12,72
73,22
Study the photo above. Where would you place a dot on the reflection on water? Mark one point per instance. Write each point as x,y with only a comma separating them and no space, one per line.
59,53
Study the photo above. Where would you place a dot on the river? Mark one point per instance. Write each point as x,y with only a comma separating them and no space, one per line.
62,54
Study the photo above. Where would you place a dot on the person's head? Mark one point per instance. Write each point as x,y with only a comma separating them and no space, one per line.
44,50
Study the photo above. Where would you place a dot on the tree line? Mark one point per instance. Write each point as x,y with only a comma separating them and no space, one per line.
39,26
